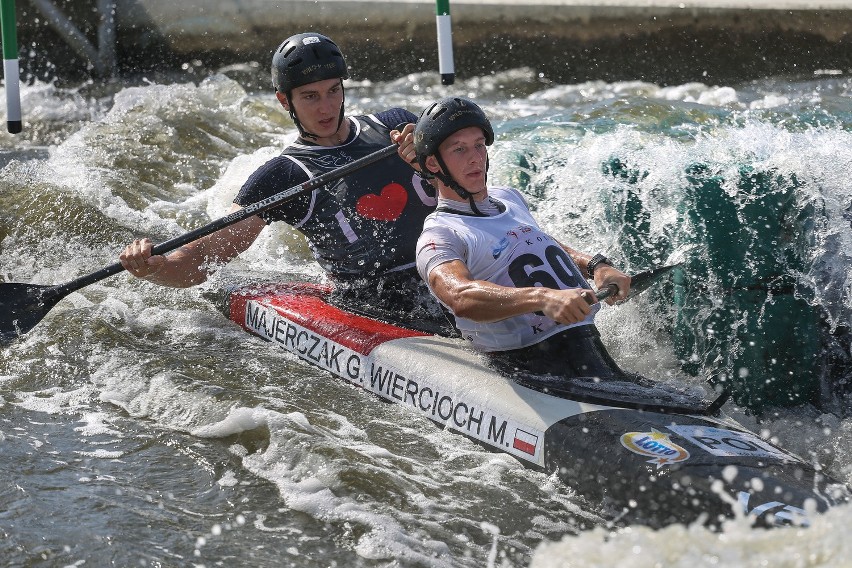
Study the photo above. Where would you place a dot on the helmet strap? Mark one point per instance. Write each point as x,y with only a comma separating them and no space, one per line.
342,104
302,132
475,210
448,180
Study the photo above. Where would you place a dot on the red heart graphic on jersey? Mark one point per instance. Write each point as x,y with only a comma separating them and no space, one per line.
386,206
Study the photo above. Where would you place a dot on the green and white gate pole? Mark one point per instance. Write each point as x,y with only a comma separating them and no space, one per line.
11,71
445,42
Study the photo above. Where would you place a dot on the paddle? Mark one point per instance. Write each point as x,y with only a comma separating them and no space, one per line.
22,306
638,282
641,282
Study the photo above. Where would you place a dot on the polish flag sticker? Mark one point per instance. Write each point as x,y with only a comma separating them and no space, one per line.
525,442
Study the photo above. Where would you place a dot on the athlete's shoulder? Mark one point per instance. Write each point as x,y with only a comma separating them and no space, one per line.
282,165
504,191
437,236
393,117
280,171
434,219
508,194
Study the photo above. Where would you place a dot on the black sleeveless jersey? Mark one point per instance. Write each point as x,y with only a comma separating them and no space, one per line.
364,224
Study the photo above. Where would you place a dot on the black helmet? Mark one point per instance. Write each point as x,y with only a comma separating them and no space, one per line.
442,119
306,58
436,124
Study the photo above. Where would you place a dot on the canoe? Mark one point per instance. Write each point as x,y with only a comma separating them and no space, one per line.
639,451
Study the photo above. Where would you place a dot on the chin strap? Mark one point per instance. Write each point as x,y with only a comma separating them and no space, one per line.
304,133
473,208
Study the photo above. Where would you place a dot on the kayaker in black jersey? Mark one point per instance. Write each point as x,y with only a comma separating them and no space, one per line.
362,229
516,292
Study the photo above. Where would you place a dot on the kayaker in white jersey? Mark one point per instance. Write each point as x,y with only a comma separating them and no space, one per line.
514,289
362,228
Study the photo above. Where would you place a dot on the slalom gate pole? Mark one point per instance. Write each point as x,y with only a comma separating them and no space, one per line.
445,42
11,70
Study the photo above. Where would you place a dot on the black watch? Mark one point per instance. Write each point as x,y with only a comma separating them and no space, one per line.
594,262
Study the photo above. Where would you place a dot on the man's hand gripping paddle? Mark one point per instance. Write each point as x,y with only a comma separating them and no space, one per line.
638,282
643,280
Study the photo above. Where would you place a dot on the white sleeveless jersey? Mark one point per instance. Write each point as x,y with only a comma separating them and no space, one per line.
508,249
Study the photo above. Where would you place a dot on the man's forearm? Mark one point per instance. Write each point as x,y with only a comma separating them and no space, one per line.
486,302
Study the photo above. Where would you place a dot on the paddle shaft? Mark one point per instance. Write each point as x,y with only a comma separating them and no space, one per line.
232,218
638,282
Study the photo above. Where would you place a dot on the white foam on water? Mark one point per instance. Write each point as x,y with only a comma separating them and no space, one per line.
96,424
55,400
241,420
228,479
309,484
159,397
102,454
822,545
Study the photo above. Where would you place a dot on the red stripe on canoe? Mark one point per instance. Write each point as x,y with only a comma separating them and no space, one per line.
305,305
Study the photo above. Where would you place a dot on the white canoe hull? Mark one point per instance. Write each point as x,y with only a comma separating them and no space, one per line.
649,467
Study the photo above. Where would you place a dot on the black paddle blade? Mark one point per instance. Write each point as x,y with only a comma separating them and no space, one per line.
22,306
638,283
644,280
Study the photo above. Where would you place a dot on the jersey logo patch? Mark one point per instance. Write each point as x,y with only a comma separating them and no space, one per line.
497,250
386,206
